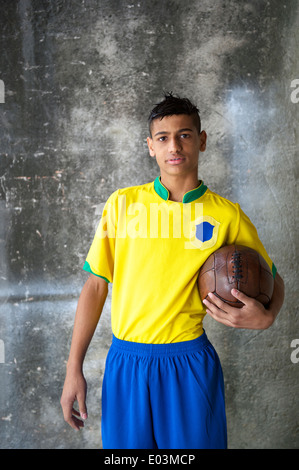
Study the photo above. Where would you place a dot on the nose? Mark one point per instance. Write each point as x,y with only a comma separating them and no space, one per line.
174,145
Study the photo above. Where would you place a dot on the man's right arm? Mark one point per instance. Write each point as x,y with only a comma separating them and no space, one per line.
89,309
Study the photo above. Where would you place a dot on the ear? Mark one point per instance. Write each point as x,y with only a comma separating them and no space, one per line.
150,147
203,141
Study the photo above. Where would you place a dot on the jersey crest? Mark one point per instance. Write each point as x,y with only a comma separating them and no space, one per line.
204,233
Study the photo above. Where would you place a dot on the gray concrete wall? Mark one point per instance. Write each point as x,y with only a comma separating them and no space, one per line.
80,78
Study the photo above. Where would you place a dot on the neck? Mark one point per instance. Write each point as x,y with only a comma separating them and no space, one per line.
178,186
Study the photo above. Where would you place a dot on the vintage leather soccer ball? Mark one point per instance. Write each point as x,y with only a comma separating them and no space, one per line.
240,267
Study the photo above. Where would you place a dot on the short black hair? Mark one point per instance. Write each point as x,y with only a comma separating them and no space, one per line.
173,105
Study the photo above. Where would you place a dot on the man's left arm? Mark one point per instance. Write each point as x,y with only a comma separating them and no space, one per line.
253,315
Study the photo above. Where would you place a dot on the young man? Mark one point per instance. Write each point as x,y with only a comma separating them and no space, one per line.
163,384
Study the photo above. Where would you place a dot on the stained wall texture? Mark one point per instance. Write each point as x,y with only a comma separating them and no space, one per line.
79,79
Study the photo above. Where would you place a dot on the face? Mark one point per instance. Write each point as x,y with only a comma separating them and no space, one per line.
176,143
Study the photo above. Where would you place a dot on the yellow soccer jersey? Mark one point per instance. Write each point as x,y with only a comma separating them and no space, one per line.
152,248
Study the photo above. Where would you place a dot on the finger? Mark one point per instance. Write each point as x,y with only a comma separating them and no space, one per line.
75,422
69,414
75,412
214,310
82,407
228,317
219,315
241,296
215,301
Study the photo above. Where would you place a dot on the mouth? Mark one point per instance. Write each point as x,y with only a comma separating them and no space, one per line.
176,160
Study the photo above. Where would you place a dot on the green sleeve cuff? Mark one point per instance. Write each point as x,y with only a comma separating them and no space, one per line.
87,268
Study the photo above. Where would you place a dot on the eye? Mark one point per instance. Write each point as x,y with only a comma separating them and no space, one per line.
162,139
185,136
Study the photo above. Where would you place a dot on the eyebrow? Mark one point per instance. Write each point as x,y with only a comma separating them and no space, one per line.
180,130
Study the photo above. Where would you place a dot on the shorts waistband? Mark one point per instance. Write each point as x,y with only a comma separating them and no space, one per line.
193,345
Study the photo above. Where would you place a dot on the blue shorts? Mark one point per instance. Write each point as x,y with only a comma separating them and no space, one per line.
163,396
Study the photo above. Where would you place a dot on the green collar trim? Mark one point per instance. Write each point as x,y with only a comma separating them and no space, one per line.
190,196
